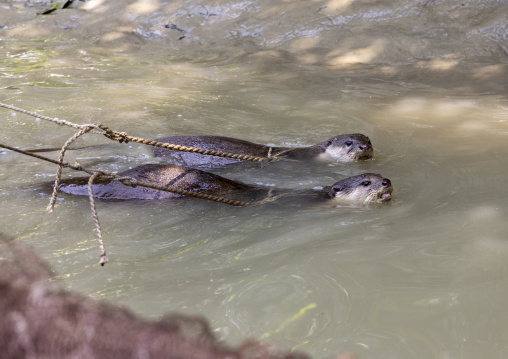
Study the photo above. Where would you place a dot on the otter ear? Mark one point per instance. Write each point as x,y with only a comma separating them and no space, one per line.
338,187
329,191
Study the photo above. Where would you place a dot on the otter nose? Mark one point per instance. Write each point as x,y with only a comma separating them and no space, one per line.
386,182
365,146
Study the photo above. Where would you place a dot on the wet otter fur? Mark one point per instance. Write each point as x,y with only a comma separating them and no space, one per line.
177,177
364,188
344,148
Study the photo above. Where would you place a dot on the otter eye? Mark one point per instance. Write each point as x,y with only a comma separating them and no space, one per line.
365,183
349,143
338,188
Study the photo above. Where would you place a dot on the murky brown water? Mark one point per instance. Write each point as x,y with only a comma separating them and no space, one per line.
421,277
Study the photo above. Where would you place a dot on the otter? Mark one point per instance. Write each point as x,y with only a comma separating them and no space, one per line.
173,176
364,188
344,148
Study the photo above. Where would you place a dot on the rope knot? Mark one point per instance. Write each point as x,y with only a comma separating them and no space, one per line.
114,135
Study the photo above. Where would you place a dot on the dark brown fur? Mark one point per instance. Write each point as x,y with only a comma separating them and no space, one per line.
177,177
360,145
198,181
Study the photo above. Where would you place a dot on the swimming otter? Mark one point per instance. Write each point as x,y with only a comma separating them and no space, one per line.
364,188
177,177
345,148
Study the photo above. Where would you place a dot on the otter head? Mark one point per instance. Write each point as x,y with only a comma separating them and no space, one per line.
350,147
364,188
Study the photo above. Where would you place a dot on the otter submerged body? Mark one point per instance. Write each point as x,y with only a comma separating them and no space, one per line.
177,177
348,147
364,188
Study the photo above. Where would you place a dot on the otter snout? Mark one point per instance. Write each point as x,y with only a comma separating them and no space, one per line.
365,152
386,194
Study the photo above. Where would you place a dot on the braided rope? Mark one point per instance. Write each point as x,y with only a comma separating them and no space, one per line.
59,170
51,119
91,180
124,137
125,180
130,181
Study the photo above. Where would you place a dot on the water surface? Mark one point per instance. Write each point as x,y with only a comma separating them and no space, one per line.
422,277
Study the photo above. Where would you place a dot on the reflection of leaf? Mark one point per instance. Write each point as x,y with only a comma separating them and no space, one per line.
55,5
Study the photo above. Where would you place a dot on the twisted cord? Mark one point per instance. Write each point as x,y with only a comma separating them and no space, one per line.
95,217
125,180
51,119
124,137
130,181
59,170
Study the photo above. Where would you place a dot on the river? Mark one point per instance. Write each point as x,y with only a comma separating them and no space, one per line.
423,276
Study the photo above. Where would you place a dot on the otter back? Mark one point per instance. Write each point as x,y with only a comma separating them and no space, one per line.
177,177
215,143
